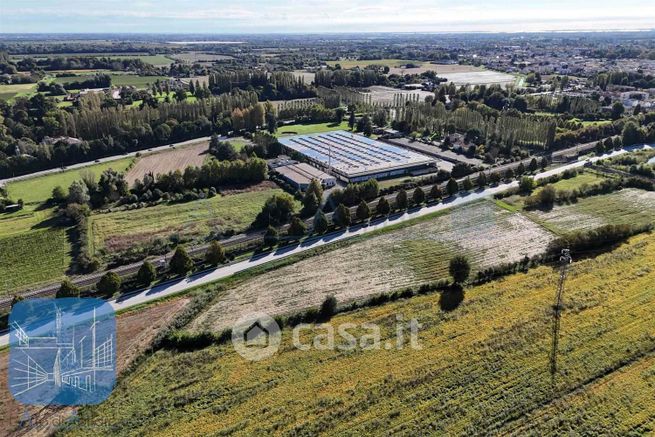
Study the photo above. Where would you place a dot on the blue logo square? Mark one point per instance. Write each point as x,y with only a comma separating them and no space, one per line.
62,351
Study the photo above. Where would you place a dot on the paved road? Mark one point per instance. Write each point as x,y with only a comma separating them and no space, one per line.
101,160
206,277
241,239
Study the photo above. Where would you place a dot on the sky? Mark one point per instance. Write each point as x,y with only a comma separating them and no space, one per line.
274,16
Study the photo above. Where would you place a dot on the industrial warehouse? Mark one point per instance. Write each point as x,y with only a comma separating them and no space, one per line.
355,158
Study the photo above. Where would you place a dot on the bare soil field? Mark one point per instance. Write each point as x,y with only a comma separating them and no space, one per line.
200,57
134,332
169,160
308,76
630,206
394,260
484,77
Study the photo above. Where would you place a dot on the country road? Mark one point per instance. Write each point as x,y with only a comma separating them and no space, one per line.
240,239
208,276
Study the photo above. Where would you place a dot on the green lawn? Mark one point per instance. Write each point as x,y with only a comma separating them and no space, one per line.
586,177
32,258
117,231
156,60
629,206
8,92
39,189
346,64
303,129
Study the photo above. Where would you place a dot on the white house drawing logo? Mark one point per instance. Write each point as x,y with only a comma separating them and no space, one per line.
62,351
256,336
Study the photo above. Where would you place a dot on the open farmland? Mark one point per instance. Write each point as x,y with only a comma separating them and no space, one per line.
39,189
169,160
134,332
32,258
390,261
120,230
311,128
385,94
8,92
482,367
628,206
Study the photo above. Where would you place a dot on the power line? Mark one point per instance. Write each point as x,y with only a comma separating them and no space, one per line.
564,262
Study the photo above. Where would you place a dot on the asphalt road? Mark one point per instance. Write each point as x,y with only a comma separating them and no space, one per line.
208,276
131,269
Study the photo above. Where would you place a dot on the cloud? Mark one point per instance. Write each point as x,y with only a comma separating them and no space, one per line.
331,15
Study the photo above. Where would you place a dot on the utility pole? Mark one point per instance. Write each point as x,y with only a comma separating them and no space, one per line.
564,260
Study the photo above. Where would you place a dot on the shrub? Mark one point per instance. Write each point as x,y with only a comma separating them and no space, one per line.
215,254
328,308
68,289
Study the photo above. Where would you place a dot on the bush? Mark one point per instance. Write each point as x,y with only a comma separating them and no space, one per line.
68,289
271,237
341,216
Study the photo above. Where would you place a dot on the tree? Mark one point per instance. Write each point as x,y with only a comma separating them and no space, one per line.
271,237
509,174
78,193
215,254
341,216
222,150
401,199
309,204
383,208
533,165
459,269
109,284
58,195
418,197
435,192
297,228
363,211
328,308
494,178
467,185
544,163
547,195
339,113
351,120
320,222
146,274
181,263
526,184
271,122
276,211
68,289
617,110
380,117
520,169
452,187
482,179
632,134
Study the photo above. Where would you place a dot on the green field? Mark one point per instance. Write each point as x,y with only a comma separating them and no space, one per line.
482,368
33,257
117,79
351,63
39,189
156,60
8,92
629,206
120,230
315,128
